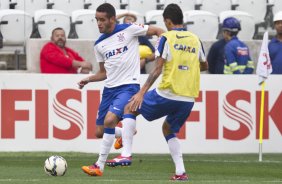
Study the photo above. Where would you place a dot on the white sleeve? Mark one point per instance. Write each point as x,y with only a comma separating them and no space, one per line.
138,29
202,55
162,49
98,56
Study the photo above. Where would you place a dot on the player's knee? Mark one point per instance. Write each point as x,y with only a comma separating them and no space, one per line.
166,129
99,133
110,122
127,109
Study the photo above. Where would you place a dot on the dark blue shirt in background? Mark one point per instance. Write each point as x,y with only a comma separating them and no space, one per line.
275,53
216,57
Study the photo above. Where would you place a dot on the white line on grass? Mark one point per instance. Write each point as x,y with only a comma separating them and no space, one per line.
236,161
21,180
114,180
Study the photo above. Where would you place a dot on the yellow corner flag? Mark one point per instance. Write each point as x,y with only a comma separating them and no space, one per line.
264,69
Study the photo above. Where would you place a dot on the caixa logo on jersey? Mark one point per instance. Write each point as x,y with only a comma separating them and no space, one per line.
116,51
71,113
58,118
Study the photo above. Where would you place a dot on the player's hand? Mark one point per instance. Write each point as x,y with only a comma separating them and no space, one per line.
136,102
82,83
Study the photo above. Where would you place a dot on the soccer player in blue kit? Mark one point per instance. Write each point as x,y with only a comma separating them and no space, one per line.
117,51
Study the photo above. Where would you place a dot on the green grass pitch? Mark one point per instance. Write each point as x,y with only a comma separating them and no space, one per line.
27,168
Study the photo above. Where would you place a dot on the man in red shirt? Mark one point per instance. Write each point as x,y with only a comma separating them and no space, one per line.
55,57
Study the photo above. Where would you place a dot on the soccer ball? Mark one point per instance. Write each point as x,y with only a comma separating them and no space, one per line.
55,166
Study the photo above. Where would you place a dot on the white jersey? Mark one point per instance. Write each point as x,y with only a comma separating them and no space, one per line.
120,52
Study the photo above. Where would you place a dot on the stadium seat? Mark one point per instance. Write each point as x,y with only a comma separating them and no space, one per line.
15,26
277,6
257,8
185,5
141,6
247,23
4,4
214,6
202,23
83,21
234,4
160,4
93,4
115,3
48,19
67,6
155,17
269,14
140,18
30,6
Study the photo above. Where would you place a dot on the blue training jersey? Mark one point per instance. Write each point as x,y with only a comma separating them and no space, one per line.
237,58
275,53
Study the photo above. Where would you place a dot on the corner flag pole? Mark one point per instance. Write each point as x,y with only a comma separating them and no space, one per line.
261,120
264,69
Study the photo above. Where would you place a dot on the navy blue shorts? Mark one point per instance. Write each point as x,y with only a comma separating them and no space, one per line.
155,106
115,99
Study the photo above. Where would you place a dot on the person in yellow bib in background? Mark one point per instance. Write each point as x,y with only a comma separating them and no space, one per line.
146,49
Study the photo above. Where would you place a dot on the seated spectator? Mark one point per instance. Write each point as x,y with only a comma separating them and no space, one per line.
237,55
145,44
275,45
216,57
55,57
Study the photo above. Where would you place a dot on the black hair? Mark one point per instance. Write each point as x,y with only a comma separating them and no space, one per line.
107,8
232,33
174,13
57,28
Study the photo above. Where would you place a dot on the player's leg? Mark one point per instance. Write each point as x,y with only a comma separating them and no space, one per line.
116,110
97,168
111,121
118,142
175,152
106,123
128,131
149,111
171,126
100,131
105,104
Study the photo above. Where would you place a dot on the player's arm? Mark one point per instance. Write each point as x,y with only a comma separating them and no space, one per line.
137,99
153,30
204,66
99,76
119,16
202,58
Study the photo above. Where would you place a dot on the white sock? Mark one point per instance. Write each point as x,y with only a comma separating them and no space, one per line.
176,154
128,130
118,132
107,142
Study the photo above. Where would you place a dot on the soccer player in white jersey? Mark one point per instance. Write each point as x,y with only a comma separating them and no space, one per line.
180,57
118,55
